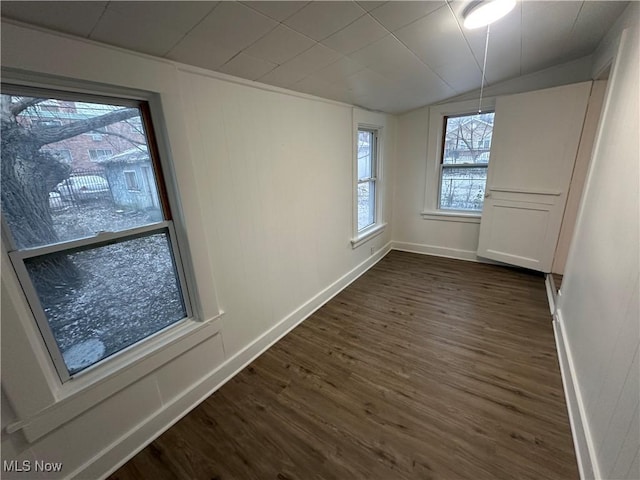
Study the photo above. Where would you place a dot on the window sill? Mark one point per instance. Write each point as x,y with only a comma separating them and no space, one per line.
368,234
104,380
453,216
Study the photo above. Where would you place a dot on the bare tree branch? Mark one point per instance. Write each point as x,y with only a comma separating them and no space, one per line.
46,135
23,104
124,137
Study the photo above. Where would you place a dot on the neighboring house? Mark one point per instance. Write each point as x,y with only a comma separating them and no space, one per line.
85,151
130,175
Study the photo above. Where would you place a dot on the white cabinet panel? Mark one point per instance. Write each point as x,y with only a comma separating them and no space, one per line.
535,140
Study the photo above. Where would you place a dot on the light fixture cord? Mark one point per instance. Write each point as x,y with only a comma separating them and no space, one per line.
484,67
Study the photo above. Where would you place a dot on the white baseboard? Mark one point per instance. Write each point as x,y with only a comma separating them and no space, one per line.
582,439
119,452
551,298
469,255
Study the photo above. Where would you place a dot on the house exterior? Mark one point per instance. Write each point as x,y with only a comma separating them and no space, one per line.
84,151
130,176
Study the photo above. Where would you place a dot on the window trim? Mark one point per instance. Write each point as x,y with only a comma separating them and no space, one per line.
18,255
442,166
435,148
45,403
377,227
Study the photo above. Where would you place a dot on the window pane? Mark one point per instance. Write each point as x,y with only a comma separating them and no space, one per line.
463,188
468,139
366,204
100,300
365,154
63,166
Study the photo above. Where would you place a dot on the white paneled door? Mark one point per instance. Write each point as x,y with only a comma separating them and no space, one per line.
535,140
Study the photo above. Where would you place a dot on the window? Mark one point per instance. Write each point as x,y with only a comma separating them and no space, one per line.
131,180
104,275
464,161
97,155
47,123
367,159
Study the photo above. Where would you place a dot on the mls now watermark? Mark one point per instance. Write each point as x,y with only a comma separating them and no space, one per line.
29,466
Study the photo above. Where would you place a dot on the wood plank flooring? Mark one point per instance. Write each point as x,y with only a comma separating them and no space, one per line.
424,368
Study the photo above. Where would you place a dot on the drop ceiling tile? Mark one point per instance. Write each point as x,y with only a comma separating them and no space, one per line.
339,70
503,55
368,83
282,76
192,53
436,39
313,59
246,66
276,9
389,57
546,28
316,86
76,18
280,45
355,36
319,19
230,26
394,15
128,31
593,22
370,5
177,15
418,76
462,77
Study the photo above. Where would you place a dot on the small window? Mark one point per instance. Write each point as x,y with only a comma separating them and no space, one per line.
47,123
131,180
97,155
104,274
464,162
367,153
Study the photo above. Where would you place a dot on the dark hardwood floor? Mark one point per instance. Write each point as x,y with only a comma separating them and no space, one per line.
423,368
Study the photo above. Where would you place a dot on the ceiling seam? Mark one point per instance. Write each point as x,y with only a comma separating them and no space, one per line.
104,10
414,53
465,38
191,30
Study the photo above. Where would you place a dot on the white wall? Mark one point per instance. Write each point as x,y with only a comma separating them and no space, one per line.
265,183
453,237
598,311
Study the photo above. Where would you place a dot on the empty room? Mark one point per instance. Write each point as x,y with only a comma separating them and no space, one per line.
320,239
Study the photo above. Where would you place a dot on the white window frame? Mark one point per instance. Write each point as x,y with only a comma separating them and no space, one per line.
435,138
374,123
46,402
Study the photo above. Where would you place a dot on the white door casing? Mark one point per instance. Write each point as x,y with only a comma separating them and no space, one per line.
535,141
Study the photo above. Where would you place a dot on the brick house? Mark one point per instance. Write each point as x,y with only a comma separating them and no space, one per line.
84,151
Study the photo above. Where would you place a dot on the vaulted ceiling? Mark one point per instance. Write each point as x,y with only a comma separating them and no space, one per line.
390,56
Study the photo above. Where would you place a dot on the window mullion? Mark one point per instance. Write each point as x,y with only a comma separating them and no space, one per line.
101,238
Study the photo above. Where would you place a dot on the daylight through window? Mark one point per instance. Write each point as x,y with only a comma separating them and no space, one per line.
464,161
367,160
94,252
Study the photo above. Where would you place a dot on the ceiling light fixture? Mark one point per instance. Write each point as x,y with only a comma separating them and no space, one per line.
484,12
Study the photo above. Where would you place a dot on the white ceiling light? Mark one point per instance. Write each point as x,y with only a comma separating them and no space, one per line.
482,13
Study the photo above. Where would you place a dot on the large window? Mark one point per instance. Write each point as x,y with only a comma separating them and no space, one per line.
464,161
101,271
367,159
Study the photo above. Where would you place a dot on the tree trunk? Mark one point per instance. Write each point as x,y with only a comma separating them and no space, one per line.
28,176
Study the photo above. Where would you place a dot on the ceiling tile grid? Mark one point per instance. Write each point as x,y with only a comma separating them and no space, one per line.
393,56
